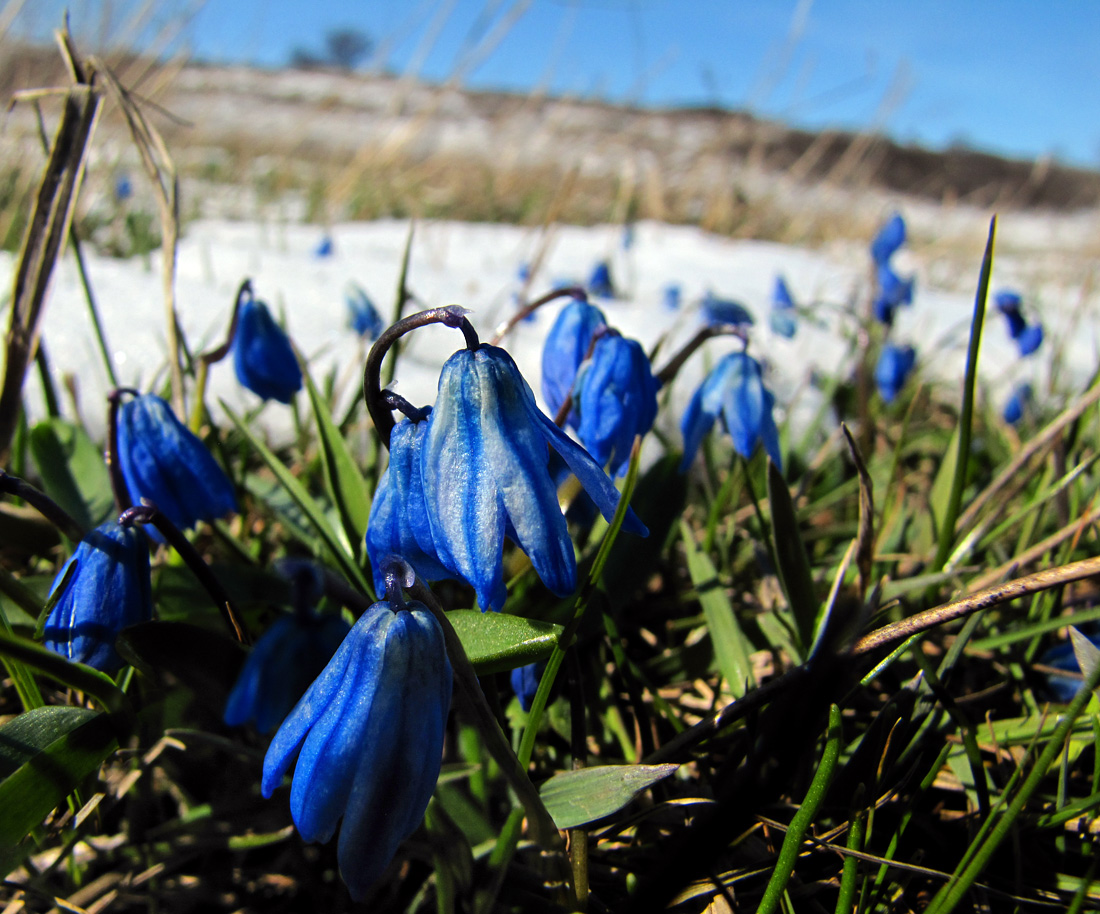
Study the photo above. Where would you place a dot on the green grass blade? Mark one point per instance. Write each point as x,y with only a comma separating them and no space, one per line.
793,563
950,510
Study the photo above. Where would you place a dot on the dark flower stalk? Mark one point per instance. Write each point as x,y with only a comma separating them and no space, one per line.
43,504
149,514
527,310
216,355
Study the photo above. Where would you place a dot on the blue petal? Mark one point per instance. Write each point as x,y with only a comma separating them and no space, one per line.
1030,338
565,348
262,355
889,238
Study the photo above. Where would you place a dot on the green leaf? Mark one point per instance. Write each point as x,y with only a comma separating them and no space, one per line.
576,798
495,642
345,483
313,512
731,647
790,556
45,754
961,439
73,471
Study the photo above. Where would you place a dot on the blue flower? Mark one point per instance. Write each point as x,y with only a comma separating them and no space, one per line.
723,311
1018,403
325,247
782,318
282,663
370,734
889,238
566,346
263,356
485,472
398,523
525,682
893,368
734,390
599,283
108,591
124,188
364,317
1030,338
161,460
616,399
893,291
671,296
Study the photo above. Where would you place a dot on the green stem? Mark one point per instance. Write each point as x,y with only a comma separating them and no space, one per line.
792,841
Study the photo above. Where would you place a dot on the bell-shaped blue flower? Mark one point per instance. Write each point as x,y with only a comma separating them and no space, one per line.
1009,304
161,460
1063,657
893,292
616,399
1018,403
485,473
362,315
783,318
566,346
733,390
889,238
398,523
671,295
109,590
285,659
525,682
723,311
369,738
893,369
262,354
325,247
599,283
1030,338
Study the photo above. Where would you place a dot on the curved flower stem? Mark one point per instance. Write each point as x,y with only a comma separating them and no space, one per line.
216,355
149,514
546,833
377,406
504,329
43,504
114,468
672,368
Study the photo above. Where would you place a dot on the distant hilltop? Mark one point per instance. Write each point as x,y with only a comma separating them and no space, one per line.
348,145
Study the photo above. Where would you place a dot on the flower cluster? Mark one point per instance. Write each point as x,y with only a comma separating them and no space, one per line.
1028,337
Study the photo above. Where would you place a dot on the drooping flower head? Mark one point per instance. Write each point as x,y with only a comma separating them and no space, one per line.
398,523
783,318
671,296
733,390
484,466
1018,403
724,311
262,354
1009,304
1030,339
893,369
889,238
109,590
893,292
566,346
1063,657
363,316
368,735
599,283
525,682
287,657
616,398
161,460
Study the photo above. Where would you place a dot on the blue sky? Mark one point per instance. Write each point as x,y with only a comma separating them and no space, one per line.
1010,76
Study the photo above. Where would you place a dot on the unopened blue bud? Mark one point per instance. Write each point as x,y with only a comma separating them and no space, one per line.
262,355
733,390
163,461
109,590
893,292
616,399
783,320
1018,403
484,466
369,739
1029,339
